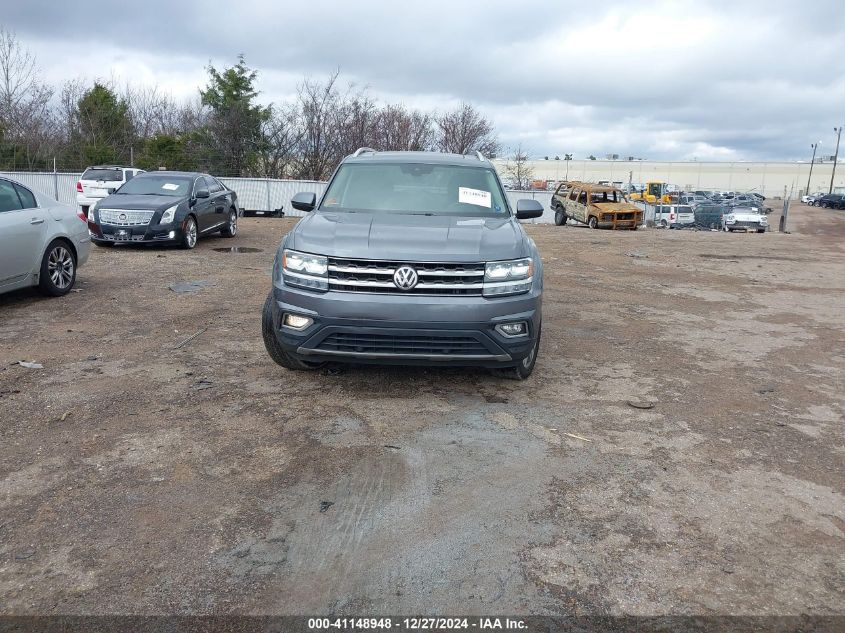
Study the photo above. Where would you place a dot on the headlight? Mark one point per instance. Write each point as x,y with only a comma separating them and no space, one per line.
305,270
508,277
729,218
168,215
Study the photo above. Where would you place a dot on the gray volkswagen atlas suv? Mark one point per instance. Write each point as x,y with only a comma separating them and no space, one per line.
409,258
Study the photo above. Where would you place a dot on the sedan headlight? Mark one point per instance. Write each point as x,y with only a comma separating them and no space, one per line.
508,277
305,270
168,215
730,219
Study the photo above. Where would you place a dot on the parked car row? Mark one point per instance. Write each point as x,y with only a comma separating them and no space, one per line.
827,201
43,242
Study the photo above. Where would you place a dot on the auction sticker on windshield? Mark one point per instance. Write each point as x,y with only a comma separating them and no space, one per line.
474,196
170,187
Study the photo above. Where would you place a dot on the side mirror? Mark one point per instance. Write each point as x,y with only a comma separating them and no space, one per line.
201,193
305,201
527,209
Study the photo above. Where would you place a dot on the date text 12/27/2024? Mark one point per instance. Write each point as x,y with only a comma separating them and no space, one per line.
416,624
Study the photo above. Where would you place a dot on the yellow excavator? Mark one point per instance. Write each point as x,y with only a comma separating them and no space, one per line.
654,193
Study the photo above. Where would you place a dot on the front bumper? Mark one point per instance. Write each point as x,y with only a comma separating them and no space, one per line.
406,330
135,234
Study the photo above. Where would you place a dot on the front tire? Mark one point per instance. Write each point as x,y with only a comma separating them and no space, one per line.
593,223
58,269
560,217
276,351
231,228
526,366
189,233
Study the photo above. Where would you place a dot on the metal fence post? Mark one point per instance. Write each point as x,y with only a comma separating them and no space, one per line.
269,207
55,180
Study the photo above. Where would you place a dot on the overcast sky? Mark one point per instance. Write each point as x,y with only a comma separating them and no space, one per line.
704,79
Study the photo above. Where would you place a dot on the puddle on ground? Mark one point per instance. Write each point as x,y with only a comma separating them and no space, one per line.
238,249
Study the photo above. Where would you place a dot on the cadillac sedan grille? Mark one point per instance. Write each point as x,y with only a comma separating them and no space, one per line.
362,275
117,217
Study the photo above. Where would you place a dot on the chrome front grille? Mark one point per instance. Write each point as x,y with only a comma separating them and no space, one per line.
362,275
119,217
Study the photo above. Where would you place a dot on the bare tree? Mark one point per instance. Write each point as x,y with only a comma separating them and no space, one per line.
464,130
151,111
281,138
518,169
355,121
400,129
25,118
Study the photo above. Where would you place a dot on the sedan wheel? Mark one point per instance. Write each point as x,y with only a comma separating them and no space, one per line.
593,223
58,270
189,234
231,228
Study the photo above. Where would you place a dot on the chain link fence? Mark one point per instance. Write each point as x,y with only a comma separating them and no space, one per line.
254,194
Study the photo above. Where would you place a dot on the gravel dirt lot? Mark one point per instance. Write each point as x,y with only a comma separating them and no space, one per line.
135,478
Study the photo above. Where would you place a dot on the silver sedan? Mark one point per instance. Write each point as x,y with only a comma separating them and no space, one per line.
42,242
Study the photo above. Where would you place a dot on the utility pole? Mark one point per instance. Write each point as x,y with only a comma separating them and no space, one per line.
835,157
815,146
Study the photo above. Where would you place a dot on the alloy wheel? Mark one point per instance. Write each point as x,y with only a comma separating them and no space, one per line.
60,267
191,234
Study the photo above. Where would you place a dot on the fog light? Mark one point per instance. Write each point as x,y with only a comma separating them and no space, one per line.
172,234
519,328
296,322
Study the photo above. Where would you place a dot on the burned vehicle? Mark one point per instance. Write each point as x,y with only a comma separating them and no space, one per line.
597,206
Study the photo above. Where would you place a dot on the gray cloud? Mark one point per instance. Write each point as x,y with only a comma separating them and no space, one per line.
682,79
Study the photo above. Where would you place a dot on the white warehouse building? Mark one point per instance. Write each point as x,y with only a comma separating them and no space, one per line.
772,179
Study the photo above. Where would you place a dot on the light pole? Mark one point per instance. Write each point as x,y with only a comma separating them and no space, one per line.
835,157
815,146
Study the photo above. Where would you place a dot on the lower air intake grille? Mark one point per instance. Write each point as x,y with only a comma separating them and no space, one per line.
413,345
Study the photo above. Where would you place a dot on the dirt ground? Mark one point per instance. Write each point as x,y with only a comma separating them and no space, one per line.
136,478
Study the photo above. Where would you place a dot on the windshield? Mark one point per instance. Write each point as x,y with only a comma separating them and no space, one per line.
158,185
413,188
607,196
109,175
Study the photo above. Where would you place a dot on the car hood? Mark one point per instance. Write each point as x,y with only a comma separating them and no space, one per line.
746,216
139,202
409,237
616,206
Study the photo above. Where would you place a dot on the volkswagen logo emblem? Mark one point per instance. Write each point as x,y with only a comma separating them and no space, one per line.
122,217
405,278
